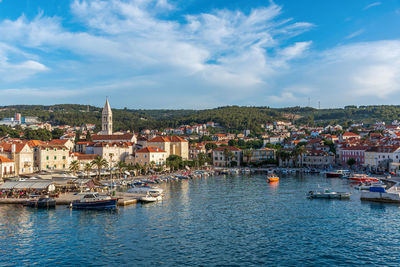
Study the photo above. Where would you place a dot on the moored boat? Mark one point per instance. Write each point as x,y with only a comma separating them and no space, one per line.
151,197
94,201
337,174
272,178
362,178
42,202
145,190
328,194
380,194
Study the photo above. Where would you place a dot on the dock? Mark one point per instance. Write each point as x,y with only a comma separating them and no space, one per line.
125,199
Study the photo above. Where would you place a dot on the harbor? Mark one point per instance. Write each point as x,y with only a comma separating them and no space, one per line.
227,219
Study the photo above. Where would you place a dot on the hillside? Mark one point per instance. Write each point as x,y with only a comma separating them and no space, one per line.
231,117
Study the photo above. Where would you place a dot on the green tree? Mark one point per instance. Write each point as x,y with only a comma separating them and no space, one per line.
89,136
121,165
174,162
211,146
247,154
228,154
57,133
100,163
74,167
351,162
88,168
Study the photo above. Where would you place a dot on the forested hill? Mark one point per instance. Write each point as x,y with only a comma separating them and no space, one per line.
230,117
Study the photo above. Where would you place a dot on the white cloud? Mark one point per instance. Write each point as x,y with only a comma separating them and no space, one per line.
222,57
227,50
372,5
355,34
358,73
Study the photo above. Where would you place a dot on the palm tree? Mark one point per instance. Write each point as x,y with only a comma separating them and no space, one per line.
100,163
138,168
248,154
121,165
74,167
87,168
228,156
301,150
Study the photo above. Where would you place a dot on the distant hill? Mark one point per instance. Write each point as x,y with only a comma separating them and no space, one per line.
230,117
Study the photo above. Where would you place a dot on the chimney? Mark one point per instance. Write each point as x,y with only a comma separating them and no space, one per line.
13,151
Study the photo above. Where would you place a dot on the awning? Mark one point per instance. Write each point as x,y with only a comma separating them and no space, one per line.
25,185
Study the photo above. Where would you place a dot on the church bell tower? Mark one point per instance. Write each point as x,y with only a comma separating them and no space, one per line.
106,125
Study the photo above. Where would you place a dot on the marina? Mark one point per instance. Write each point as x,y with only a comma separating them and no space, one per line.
224,219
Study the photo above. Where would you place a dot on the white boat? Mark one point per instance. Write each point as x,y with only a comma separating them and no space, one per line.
380,194
151,197
145,190
328,194
367,186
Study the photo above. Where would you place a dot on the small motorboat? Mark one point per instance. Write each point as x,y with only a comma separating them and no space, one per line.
41,202
272,178
151,197
328,194
390,194
93,200
337,174
368,185
362,178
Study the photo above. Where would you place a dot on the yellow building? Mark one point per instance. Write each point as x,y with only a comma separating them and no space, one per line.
147,155
172,145
51,157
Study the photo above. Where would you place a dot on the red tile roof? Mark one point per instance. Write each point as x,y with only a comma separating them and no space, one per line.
4,159
160,139
150,149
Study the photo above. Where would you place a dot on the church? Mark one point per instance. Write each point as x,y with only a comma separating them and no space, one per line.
106,134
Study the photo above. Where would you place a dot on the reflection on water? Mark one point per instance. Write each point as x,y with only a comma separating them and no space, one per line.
226,220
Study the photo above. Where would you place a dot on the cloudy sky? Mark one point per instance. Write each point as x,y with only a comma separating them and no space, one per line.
200,53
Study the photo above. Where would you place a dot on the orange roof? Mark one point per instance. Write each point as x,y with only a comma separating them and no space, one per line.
150,149
4,159
58,141
159,139
8,146
350,134
34,143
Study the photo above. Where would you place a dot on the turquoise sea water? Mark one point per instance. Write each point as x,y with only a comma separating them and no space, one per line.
233,220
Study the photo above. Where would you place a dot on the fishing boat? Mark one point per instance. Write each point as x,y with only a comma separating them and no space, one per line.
391,194
362,178
93,200
328,194
272,178
337,174
42,202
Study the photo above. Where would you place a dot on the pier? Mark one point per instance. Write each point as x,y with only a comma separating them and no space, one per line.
125,199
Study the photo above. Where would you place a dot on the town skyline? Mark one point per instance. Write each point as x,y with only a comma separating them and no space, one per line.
192,54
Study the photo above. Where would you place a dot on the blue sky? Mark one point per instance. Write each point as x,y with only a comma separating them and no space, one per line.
200,53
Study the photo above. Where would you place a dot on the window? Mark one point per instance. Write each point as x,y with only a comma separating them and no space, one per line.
55,166
47,157
55,157
47,167
55,149
63,157
63,166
